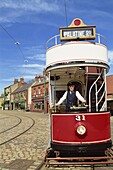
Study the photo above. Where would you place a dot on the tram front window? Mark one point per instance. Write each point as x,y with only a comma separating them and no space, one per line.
70,97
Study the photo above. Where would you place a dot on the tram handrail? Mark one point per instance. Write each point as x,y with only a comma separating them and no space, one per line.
90,92
96,93
100,99
56,39
101,87
102,94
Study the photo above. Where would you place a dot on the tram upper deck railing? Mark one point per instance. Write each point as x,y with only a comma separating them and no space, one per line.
55,40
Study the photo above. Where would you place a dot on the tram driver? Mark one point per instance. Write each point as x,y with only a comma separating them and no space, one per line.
71,96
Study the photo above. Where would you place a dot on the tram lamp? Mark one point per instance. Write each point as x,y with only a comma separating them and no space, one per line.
81,130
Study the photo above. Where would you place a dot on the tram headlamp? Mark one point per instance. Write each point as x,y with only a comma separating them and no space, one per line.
81,130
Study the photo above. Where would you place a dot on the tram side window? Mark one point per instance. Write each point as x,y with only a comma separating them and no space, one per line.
59,94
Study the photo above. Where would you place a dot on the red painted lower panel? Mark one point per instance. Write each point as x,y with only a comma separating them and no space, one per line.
97,127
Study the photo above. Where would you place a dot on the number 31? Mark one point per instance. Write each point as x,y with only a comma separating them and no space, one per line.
80,117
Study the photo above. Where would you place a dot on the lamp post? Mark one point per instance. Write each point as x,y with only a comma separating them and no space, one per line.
44,94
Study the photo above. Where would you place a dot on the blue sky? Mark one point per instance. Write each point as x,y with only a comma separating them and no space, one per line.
33,22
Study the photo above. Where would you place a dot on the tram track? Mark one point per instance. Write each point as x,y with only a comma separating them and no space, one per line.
41,165
20,120
14,129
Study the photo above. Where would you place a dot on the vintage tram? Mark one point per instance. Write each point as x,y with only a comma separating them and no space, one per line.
78,54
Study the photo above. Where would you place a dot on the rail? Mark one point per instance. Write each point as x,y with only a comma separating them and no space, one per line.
102,93
96,92
90,90
55,40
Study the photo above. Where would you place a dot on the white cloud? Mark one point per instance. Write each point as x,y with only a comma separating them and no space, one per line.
33,65
29,77
35,53
11,79
30,5
110,57
13,11
39,57
8,79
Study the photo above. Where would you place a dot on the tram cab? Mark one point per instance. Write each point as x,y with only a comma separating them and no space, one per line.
79,55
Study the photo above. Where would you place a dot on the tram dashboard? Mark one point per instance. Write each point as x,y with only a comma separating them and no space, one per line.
75,109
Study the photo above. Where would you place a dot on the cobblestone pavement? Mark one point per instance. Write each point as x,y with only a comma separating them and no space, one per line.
27,151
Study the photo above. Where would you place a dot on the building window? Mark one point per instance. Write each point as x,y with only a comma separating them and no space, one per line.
21,95
38,90
39,105
34,91
42,105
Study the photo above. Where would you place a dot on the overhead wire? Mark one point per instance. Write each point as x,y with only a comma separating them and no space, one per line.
16,42
66,13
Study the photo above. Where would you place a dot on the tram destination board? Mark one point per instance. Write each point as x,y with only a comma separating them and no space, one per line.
82,33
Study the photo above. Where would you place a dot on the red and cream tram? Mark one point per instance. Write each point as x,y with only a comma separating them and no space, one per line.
78,54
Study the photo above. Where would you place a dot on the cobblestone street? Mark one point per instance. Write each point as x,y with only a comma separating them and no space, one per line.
26,151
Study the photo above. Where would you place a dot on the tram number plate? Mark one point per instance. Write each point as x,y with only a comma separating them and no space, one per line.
80,117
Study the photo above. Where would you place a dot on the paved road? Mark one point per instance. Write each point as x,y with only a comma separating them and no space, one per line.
27,150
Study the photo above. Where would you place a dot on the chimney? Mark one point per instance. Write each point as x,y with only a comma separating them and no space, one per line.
39,79
15,81
21,80
44,72
36,78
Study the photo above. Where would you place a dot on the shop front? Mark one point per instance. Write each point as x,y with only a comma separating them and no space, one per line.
38,105
7,105
20,104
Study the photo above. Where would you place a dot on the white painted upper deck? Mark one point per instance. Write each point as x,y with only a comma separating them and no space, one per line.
62,52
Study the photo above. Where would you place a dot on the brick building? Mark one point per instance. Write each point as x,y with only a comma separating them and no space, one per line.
109,80
40,95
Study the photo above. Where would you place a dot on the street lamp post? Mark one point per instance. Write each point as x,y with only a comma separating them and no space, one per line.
44,94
